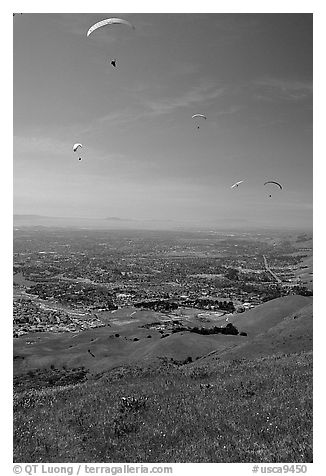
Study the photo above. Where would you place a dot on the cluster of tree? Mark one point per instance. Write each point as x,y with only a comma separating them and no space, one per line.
271,293
230,329
157,305
203,303
302,290
186,361
232,274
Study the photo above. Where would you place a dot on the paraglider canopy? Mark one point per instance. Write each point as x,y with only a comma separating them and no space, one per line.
236,184
75,146
109,21
276,183
198,116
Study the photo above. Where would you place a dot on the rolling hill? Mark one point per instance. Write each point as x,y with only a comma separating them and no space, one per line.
265,316
292,334
270,327
209,412
246,399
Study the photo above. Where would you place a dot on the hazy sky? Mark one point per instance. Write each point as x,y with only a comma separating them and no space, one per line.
143,157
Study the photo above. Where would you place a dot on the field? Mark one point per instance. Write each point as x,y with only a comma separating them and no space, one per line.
240,411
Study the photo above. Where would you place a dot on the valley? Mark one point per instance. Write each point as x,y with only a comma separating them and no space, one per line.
187,341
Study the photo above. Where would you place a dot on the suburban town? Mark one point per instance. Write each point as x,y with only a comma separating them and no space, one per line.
67,280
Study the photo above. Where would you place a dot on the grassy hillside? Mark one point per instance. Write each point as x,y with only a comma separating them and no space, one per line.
292,334
304,271
265,316
126,341
103,349
252,411
109,398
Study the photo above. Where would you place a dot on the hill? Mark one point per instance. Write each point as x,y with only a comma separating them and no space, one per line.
108,397
292,334
102,349
267,315
182,345
109,223
250,411
126,341
304,271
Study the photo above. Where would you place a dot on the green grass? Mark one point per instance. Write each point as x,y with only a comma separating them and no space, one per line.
254,411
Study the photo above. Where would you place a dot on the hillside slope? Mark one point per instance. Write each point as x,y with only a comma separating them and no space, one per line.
292,334
102,349
250,411
187,344
249,399
265,316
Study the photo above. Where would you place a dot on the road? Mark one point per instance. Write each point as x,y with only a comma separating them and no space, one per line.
270,271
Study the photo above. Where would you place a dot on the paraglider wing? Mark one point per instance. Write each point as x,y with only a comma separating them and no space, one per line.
75,147
276,183
109,21
236,184
199,115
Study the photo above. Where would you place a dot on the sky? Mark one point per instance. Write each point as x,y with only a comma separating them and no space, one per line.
143,157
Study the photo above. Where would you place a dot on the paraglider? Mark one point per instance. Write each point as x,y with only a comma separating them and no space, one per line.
75,147
276,183
236,184
109,21
201,116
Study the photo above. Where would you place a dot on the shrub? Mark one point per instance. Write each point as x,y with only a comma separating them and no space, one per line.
188,360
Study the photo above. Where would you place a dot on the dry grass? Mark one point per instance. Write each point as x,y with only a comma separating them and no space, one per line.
253,411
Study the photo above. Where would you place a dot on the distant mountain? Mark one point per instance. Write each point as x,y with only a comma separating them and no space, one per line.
119,219
112,223
29,217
